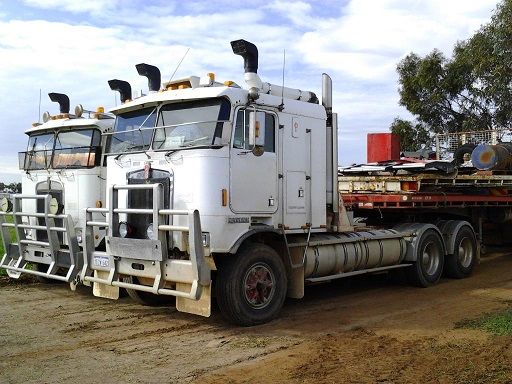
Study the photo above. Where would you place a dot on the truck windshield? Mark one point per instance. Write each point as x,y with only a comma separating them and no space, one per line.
190,124
80,148
133,131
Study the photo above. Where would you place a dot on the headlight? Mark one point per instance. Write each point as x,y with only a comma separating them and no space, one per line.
124,229
55,207
150,231
5,204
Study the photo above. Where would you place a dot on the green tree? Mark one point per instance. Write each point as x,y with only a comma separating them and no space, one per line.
412,136
471,91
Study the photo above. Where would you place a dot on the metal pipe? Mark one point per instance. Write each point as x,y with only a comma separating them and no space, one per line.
492,157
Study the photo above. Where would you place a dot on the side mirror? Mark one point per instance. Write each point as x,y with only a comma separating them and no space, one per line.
257,132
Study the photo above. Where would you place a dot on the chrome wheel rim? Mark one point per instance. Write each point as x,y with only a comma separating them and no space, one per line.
430,258
259,285
465,252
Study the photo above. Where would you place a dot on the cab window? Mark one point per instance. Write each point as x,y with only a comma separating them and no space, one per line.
241,136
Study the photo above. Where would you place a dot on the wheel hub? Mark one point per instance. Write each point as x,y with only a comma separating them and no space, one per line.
430,259
465,252
259,285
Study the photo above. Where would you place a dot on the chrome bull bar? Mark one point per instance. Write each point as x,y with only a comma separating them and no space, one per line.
149,256
19,253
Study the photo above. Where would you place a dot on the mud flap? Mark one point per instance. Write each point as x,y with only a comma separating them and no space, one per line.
103,290
296,279
201,307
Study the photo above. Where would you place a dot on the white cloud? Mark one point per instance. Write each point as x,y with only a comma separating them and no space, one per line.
74,6
358,43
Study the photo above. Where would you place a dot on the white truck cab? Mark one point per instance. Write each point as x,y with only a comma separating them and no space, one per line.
63,173
208,181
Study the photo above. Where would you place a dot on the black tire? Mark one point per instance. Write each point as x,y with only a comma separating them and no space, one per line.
428,268
246,305
461,263
146,298
458,155
44,280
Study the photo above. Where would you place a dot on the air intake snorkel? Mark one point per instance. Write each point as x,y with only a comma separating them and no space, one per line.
123,87
62,99
249,52
153,75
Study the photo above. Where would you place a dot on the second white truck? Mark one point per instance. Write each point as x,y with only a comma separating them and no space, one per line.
63,173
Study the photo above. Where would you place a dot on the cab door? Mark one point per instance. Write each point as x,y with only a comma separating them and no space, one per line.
253,179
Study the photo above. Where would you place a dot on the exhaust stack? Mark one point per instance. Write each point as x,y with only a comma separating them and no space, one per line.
331,144
123,87
153,75
62,99
249,52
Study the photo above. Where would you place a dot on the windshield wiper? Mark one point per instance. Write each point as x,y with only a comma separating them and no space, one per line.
185,147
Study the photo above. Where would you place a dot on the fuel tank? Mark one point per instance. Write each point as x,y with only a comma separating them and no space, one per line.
330,254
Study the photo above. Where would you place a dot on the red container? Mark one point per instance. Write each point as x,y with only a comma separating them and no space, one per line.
382,147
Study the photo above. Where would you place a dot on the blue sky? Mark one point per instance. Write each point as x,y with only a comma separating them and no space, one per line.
74,47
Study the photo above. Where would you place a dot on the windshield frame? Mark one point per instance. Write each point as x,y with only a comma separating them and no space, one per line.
95,146
224,108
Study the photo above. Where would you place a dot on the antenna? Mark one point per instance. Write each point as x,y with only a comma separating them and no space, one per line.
281,107
39,114
181,61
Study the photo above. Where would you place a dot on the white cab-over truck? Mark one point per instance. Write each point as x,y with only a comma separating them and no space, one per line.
216,189
62,175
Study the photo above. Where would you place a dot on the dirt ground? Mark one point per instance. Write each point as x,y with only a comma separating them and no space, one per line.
364,330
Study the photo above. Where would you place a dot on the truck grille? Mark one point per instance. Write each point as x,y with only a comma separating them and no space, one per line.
143,199
43,235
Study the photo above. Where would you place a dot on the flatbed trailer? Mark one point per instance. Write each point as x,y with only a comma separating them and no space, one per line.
483,198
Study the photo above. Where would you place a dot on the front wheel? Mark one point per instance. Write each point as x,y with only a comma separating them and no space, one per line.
147,298
251,286
428,267
461,263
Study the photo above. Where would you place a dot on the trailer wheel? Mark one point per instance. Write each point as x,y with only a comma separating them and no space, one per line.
427,269
146,298
461,263
251,287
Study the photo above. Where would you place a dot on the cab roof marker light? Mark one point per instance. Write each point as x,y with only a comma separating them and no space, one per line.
153,75
208,80
123,87
62,99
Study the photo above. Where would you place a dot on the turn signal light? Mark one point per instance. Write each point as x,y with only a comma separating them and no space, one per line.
224,197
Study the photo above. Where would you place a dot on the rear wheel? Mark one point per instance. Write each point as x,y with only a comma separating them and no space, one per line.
251,286
461,263
428,267
146,298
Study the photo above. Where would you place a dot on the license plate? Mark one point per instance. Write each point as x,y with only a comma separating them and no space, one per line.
101,261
